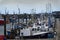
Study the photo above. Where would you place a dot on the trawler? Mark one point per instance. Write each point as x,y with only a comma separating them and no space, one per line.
41,29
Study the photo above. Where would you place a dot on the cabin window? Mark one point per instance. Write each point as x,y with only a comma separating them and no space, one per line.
46,24
51,25
21,28
40,24
33,29
38,28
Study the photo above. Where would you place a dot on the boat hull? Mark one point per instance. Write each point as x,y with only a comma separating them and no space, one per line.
40,36
36,36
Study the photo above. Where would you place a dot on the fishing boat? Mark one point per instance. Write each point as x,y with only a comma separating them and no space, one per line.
38,30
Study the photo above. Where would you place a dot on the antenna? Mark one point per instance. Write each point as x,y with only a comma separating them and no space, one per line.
19,10
33,11
0,12
13,12
5,11
48,7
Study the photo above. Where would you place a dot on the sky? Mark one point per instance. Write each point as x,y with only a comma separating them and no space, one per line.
26,6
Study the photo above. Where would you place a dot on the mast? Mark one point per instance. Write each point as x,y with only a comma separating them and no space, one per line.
33,12
18,14
13,19
18,21
48,10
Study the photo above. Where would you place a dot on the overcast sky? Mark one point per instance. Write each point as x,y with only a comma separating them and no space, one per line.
26,5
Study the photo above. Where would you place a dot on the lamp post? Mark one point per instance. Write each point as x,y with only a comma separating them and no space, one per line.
5,23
